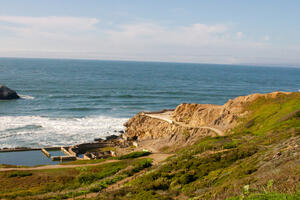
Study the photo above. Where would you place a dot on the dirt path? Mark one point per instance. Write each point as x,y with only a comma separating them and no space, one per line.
167,116
159,157
56,166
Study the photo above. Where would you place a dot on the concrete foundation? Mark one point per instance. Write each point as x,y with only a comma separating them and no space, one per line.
46,153
63,158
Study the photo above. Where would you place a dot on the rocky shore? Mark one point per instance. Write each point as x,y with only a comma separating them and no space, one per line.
199,151
166,130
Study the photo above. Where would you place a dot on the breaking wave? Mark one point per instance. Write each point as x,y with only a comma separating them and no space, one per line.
26,96
37,131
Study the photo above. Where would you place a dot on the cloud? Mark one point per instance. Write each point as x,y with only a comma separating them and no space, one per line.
52,22
266,38
81,37
50,33
43,29
239,34
153,34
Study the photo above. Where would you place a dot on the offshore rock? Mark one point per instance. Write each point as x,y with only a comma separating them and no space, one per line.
7,93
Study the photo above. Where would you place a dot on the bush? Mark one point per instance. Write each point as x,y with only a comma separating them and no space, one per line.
161,184
186,179
230,145
87,178
19,174
134,155
142,164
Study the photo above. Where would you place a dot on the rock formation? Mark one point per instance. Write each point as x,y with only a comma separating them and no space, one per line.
190,122
7,93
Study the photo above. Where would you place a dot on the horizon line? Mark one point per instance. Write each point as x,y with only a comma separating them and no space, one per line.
156,61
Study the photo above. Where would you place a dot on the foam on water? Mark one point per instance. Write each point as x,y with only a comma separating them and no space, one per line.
26,96
37,131
68,92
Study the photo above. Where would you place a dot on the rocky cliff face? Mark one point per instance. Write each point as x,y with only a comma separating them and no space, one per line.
190,122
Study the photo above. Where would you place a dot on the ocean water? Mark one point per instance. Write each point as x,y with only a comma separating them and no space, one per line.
73,101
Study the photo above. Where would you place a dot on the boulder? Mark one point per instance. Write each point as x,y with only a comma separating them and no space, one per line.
112,137
7,94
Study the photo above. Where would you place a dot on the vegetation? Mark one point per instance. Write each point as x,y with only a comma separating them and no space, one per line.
19,174
253,163
66,183
136,167
268,196
258,160
81,162
136,154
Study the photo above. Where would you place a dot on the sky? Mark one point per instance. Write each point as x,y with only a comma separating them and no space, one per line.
200,31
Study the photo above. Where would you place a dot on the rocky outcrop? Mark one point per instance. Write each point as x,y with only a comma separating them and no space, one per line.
189,122
7,93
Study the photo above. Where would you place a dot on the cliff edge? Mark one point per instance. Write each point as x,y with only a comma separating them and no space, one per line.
190,122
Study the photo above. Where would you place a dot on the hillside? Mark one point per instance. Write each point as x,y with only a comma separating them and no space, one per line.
260,153
248,148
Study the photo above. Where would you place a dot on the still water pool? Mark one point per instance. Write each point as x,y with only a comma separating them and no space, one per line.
28,158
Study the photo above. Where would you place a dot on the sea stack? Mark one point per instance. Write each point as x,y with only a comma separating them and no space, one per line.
7,93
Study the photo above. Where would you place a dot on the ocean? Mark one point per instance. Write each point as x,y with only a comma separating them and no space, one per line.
66,102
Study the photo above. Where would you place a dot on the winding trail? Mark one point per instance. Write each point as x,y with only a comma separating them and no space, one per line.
167,116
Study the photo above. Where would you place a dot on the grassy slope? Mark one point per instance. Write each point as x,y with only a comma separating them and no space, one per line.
64,183
261,160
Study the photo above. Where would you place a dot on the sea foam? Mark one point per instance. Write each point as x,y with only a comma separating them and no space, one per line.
37,131
26,96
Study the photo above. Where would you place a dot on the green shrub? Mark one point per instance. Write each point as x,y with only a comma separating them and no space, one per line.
140,165
160,184
106,170
268,196
230,145
297,114
134,155
87,178
186,178
150,195
19,174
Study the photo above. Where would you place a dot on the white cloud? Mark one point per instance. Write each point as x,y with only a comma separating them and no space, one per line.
80,37
239,34
266,38
153,34
52,22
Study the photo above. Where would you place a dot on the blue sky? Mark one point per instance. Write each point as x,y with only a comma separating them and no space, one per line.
215,31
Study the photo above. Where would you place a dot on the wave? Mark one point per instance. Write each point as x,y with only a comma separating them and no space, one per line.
78,109
26,97
38,131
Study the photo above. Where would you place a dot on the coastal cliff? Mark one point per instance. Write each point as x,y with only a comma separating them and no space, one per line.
246,149
190,122
257,157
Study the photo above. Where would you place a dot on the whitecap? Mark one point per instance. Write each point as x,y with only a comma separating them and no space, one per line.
26,96
36,131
